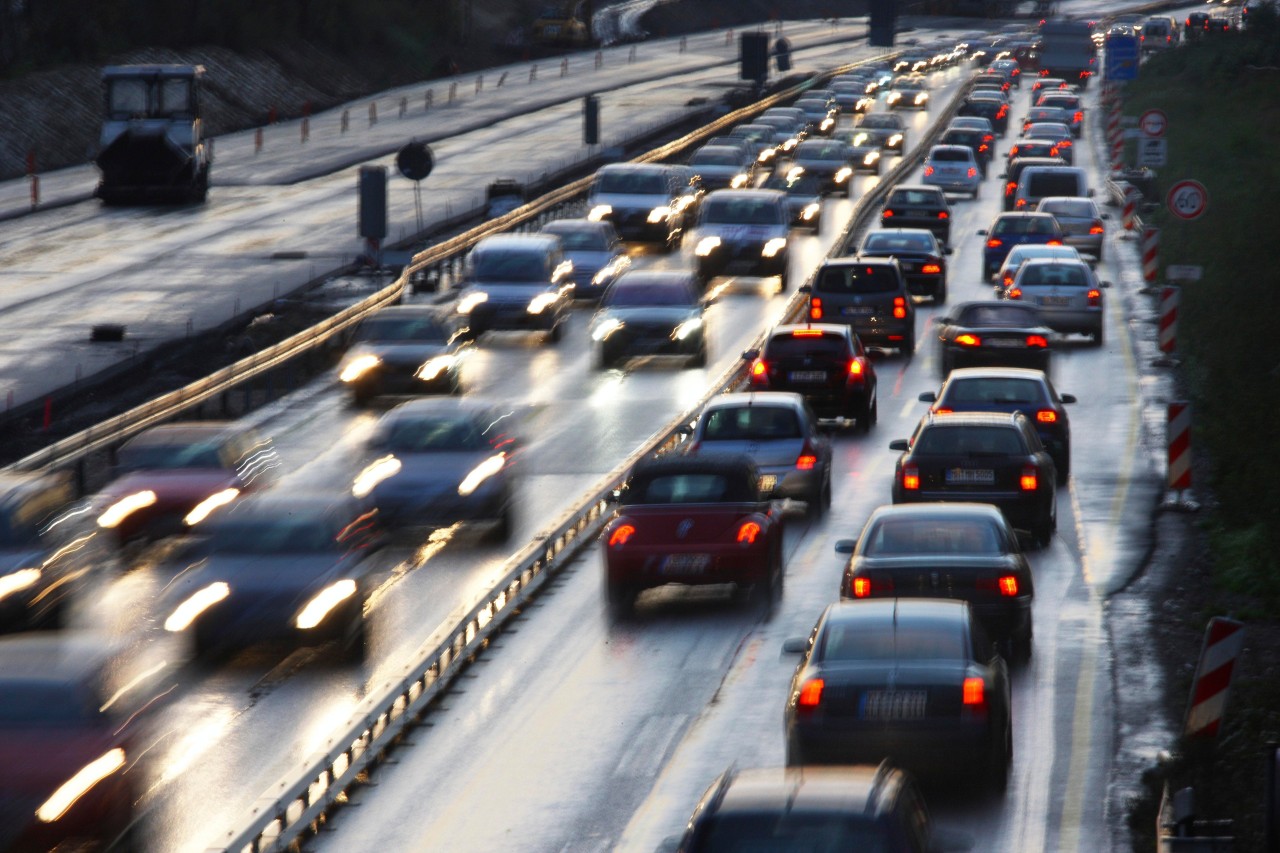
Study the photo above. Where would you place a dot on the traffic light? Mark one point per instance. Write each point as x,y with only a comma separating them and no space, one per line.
881,23
754,52
591,120
372,213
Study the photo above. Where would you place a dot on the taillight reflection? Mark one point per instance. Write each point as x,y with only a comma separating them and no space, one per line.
621,535
748,533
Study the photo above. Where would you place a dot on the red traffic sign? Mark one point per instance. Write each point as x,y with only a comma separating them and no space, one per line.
1153,123
1187,199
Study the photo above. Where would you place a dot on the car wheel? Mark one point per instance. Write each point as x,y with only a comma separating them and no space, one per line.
1021,647
1063,464
820,500
867,416
1001,760
621,599
1097,337
795,754
977,191
605,358
1042,532
359,399
908,347
554,334
940,296
502,525
356,648
947,363
782,280
699,358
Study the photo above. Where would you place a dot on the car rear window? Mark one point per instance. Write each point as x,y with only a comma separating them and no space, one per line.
915,197
794,829
791,346
949,155
688,488
996,390
1050,275
1041,184
982,440
631,183
1077,209
1012,315
740,211
750,423
879,241
931,536
857,279
854,641
1025,224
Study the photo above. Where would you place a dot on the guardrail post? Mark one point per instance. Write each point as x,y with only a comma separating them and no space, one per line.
304,132
599,59
257,140
426,100
479,83
533,73
345,121
684,44
631,55
453,92
564,67
502,78
404,106
373,113
35,191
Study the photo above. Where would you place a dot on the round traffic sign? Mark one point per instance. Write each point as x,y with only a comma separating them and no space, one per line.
1187,199
1153,123
415,160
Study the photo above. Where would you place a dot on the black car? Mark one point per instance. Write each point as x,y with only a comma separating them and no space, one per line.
650,312
986,457
829,159
887,130
921,257
993,332
913,678
946,550
823,362
993,108
405,350
918,207
868,294
1012,389
849,808
274,567
804,195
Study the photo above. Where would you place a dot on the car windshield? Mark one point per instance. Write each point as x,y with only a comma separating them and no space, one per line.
281,535
821,151
717,156
857,278
44,704
880,120
750,423
855,640
795,831
994,390
581,239
794,183
755,134
977,440
740,211
1011,315
502,265
631,183
931,536
688,488
422,329
649,293
170,456
1051,275
431,434
884,242
1025,225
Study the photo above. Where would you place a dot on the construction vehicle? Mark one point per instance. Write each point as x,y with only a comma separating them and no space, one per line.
562,25
152,146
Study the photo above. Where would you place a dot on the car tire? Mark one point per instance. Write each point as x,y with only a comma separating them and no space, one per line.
820,500
940,297
1020,646
502,525
783,280
946,363
621,599
1001,762
1042,532
795,754
976,192
1097,337
1063,464
868,416
908,346
554,334
699,358
356,647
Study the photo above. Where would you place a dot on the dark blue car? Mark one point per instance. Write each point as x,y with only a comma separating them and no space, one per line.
1015,229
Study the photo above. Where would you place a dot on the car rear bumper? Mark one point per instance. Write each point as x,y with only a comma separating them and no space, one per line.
923,747
714,564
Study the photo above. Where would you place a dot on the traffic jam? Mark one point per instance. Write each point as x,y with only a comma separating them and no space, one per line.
864,549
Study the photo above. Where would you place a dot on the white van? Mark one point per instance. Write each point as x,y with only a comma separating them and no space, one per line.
1037,182
1159,33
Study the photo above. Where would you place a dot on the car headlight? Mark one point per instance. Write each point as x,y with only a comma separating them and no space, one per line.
80,784
477,475
195,604
374,473
323,602
894,97
706,246
124,507
871,158
605,328
895,140
790,143
860,138
843,174
358,366
468,303
827,123
599,212
659,214
687,328
739,181
608,271
921,98
774,246
810,211
542,302
206,507
432,368
766,155
17,581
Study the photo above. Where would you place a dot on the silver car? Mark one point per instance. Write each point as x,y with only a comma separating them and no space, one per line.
1019,255
953,168
1083,223
1067,293
779,431
596,251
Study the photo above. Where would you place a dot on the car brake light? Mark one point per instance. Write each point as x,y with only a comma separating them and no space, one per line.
1054,243
1013,293
1036,340
1065,143
1030,479
1022,202
911,477
942,214
759,368
943,411
806,461
806,333
1002,112
899,307
621,535
887,213
1095,297
748,532
1047,416
968,340
815,308
928,170
1097,227
973,173
861,587
1010,188
931,268
811,693
1079,115
856,367
973,691
995,243
1008,585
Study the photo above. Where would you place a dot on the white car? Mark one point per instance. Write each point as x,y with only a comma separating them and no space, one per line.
1067,293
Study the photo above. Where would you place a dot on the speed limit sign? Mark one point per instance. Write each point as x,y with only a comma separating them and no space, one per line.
1187,199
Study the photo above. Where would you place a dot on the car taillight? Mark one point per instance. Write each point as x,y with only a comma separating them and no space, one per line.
1022,202
928,170
974,690
1013,293
887,213
968,340
1065,143
621,535
1030,479
910,477
995,243
1047,416
815,308
1010,188
1054,243
807,458
1097,227
811,694
973,173
865,587
861,587
932,269
1003,111
1036,340
856,367
943,411
1095,297
899,307
1008,586
759,368
748,532
942,214
1079,115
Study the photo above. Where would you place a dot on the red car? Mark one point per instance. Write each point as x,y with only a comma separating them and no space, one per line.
692,520
170,472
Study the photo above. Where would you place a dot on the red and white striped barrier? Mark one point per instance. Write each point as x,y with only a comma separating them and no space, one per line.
1130,216
1170,296
1117,154
1179,438
1150,254
1223,640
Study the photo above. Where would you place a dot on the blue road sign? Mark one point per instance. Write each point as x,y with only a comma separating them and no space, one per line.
1122,58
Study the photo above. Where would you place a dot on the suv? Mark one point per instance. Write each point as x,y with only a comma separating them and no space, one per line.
1037,182
981,457
955,168
823,362
918,207
517,282
1014,171
640,200
743,232
869,295
854,807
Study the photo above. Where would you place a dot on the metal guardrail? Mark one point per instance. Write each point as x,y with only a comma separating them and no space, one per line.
294,806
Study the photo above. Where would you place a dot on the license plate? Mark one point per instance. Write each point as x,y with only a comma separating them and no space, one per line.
894,704
1004,343
685,564
807,376
1055,300
768,482
907,267
971,476
857,310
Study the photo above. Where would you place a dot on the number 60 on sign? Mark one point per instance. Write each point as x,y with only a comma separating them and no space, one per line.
1188,199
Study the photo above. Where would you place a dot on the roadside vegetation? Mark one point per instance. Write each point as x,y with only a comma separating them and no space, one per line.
1222,98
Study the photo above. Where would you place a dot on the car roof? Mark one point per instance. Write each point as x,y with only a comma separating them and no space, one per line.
895,613
762,195
997,372
1022,214
937,510
657,465
754,398
965,148
570,225
846,790
651,168
183,433
645,277
526,242
1054,262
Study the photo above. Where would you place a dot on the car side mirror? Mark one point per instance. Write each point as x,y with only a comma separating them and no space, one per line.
1106,216
1090,192
750,354
899,444
805,289
1106,284
845,546
795,645
684,429
946,250
982,233
1067,398
929,396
